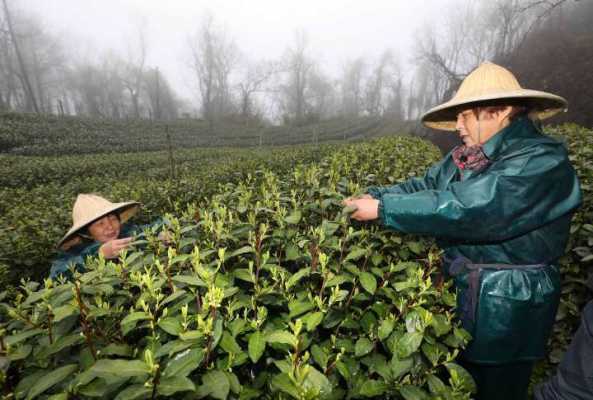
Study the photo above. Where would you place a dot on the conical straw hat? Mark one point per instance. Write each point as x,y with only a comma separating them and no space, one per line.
89,207
491,82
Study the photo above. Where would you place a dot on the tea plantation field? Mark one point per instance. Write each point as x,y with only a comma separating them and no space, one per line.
267,288
30,134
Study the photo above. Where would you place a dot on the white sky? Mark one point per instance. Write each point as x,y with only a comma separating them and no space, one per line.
337,29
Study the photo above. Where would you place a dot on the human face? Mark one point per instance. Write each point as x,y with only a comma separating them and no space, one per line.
478,125
105,229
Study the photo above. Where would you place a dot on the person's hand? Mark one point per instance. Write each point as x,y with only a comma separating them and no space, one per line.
367,209
112,248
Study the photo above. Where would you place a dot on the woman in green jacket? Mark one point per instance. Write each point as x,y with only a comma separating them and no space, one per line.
500,206
99,227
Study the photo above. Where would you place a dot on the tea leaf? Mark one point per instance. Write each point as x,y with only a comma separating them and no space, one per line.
172,385
317,381
410,392
50,379
183,363
135,317
409,343
256,346
368,282
189,280
121,368
19,337
283,383
295,278
385,328
320,356
214,384
170,325
228,343
134,392
464,378
240,251
282,337
363,347
400,366
293,218
372,388
355,254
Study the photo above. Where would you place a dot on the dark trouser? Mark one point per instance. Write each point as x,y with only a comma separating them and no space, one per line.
574,377
500,382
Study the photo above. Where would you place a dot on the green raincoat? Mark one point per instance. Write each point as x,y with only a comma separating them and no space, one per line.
76,255
503,230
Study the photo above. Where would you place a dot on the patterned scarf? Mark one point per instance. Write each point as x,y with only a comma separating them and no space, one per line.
470,157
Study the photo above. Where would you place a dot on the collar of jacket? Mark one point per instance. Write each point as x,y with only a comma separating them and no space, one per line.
523,126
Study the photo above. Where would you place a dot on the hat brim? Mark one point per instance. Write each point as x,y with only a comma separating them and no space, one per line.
542,104
125,210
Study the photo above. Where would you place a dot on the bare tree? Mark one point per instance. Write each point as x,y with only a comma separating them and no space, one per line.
471,33
89,88
541,10
379,82
133,73
8,79
214,57
161,97
97,88
322,99
297,65
556,56
395,103
255,78
352,87
24,73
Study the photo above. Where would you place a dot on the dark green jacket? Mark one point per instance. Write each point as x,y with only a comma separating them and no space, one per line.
76,255
515,212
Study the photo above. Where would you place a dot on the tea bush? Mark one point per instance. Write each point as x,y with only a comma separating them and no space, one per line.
31,134
265,290
288,199
36,211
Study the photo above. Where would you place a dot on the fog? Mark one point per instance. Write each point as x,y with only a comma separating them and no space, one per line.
338,30
282,62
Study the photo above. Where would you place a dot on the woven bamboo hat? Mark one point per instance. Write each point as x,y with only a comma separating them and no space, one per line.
89,207
486,84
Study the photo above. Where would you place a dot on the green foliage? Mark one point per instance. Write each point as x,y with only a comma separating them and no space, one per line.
31,134
283,298
250,301
36,194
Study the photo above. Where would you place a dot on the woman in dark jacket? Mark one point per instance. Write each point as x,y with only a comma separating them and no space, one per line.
500,206
99,227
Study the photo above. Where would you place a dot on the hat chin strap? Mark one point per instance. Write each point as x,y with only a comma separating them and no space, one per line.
479,128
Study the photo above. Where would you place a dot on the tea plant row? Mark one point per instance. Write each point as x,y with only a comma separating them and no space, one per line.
29,134
266,289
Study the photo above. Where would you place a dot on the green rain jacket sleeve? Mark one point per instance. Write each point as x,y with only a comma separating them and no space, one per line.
527,189
430,180
74,257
